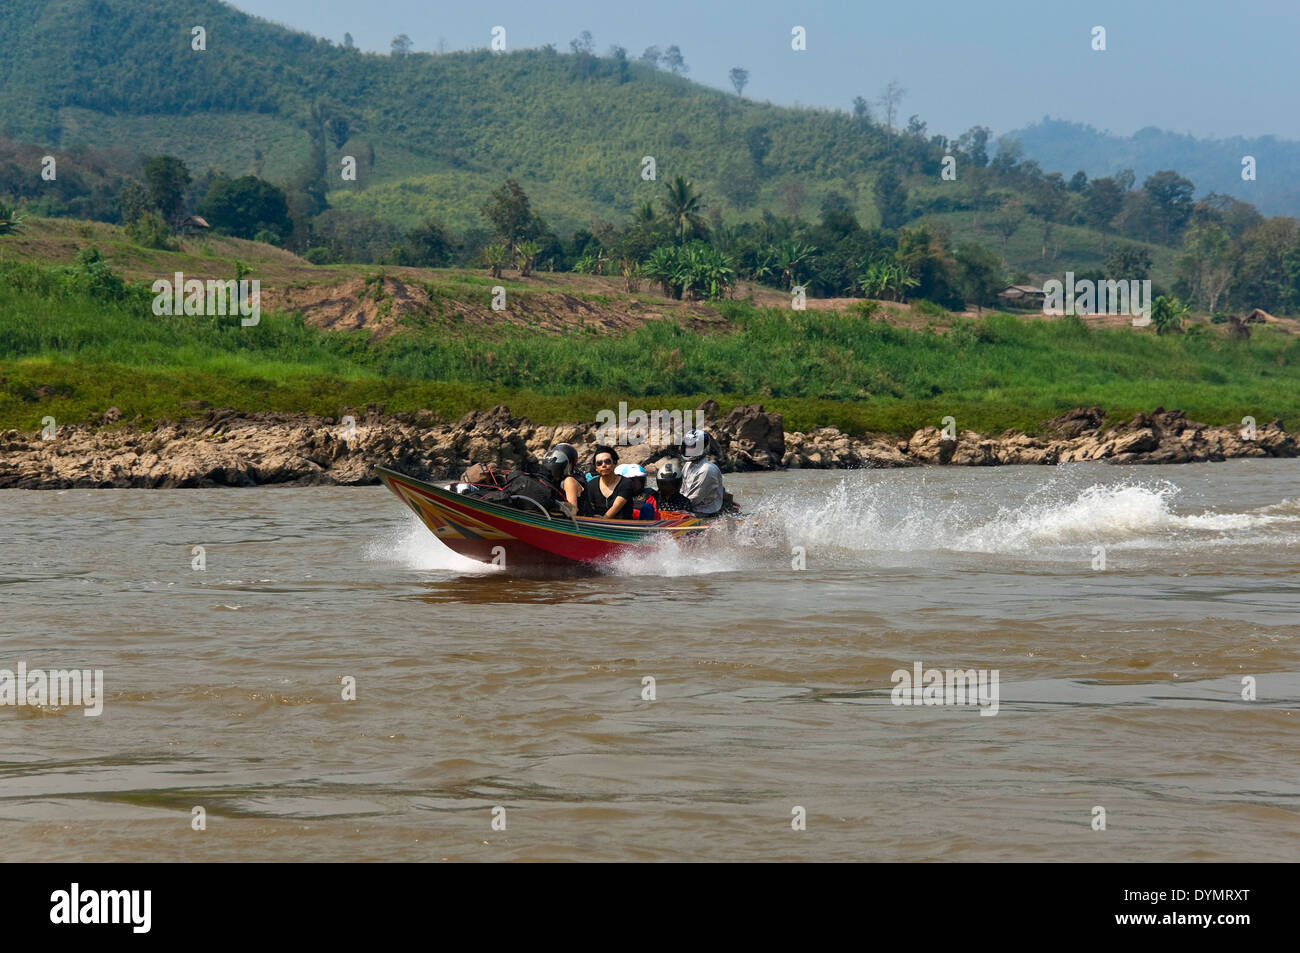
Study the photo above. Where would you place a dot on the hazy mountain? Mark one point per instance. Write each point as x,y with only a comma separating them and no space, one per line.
1215,165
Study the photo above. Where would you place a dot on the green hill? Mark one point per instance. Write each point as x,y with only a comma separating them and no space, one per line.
433,135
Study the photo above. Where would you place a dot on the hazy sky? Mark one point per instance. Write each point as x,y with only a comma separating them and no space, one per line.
1208,67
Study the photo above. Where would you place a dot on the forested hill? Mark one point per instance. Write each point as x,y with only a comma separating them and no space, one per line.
266,122
1213,164
572,128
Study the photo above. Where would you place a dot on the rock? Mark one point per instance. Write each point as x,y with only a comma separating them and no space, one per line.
754,439
224,448
1076,422
111,416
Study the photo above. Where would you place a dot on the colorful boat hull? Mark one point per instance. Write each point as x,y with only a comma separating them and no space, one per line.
523,539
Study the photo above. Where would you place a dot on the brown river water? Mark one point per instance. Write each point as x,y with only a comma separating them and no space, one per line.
1118,687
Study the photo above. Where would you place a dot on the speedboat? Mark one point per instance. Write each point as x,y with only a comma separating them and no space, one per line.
533,537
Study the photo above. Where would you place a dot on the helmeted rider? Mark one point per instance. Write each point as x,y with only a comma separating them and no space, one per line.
644,505
560,464
701,478
667,493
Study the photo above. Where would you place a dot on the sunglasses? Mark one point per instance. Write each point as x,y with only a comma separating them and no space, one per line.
605,463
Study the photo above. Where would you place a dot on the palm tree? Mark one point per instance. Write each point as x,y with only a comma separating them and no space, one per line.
683,207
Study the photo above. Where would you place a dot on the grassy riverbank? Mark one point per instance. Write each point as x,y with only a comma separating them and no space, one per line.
75,339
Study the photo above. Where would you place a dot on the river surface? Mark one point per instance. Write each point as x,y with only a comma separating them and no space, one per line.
1119,688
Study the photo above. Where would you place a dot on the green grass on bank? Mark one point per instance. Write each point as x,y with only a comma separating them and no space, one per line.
72,344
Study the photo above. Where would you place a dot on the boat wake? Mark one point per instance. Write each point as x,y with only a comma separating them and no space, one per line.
411,546
862,515
864,519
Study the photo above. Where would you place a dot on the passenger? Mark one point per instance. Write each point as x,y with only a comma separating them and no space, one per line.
559,464
644,506
609,495
701,478
667,494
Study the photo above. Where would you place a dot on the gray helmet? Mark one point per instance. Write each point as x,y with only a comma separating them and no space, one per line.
669,471
569,451
557,464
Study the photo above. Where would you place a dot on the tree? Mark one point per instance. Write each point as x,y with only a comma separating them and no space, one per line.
1171,195
974,142
1007,222
1129,263
1263,276
133,201
1235,216
739,79
652,56
1078,181
246,206
682,206
619,55
511,214
347,42
339,130
430,245
1008,154
584,43
1101,203
673,60
890,97
167,179
838,219
861,111
978,274
1207,264
891,198
402,45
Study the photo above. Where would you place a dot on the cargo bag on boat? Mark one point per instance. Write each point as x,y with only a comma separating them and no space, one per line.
520,484
510,488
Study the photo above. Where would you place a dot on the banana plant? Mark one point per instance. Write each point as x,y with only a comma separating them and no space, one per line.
793,258
10,220
496,257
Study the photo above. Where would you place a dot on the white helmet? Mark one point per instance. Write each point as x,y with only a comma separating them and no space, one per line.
695,443
630,470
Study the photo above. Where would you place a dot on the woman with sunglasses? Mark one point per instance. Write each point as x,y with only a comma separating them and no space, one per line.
609,495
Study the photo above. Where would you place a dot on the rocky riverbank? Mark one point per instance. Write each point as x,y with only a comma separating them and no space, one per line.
225,448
